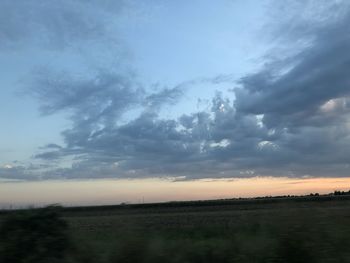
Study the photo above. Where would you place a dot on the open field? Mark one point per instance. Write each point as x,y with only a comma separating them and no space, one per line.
309,229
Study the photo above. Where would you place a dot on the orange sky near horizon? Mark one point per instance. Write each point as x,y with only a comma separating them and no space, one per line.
99,192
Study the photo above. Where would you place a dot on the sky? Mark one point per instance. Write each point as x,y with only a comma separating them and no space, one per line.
161,94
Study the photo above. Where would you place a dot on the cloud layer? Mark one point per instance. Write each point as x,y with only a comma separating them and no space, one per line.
291,118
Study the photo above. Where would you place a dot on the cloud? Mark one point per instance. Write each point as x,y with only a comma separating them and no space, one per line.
55,24
14,172
290,118
52,155
52,146
304,100
317,78
195,145
164,96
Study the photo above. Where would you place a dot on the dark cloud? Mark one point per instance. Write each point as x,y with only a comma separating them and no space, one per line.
304,99
290,118
196,145
53,155
15,172
52,146
164,96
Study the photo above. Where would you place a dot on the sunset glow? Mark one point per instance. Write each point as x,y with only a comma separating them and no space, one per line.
97,192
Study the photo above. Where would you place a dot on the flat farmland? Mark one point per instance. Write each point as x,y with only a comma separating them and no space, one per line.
267,230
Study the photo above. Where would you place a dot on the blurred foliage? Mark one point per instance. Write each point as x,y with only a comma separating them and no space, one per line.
36,235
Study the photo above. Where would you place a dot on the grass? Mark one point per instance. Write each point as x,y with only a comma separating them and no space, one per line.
283,230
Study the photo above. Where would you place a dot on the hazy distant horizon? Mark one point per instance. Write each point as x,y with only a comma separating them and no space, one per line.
113,192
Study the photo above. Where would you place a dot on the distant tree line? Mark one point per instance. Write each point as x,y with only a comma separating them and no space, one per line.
341,192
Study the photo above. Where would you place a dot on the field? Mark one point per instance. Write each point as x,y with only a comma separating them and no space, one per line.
312,229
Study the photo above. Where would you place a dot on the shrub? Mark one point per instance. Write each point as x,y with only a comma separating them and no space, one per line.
37,235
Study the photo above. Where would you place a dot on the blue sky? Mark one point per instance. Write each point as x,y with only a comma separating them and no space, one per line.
174,89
